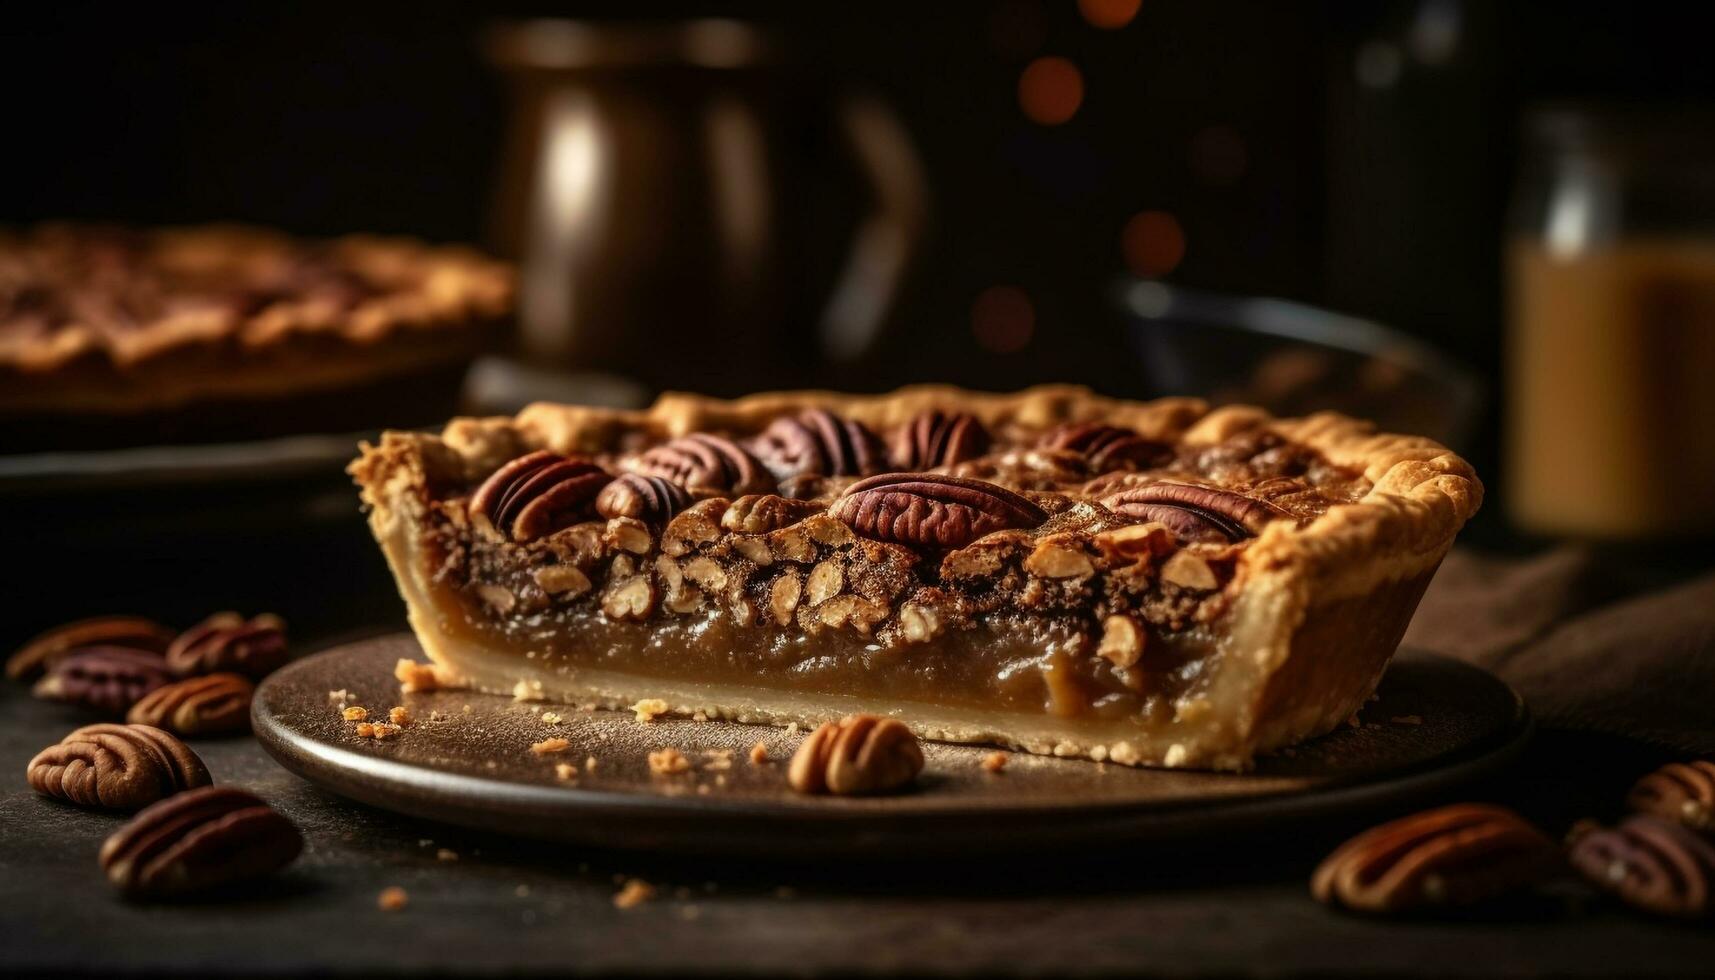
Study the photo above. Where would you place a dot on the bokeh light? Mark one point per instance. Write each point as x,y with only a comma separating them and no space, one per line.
1050,90
1003,319
1109,15
1218,155
1153,243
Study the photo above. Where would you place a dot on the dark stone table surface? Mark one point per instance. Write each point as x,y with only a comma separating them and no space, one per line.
1221,906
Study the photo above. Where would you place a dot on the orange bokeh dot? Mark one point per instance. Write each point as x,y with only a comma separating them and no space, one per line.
1050,90
1109,15
1002,319
1153,243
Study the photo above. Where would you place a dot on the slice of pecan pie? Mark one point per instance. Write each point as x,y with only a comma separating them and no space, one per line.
1150,583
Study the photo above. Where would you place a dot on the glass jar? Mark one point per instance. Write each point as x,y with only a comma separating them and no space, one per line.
1611,294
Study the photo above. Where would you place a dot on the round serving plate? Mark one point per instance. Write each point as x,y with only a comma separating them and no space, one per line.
466,759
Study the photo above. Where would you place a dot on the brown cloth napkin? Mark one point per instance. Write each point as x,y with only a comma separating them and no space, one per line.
1562,630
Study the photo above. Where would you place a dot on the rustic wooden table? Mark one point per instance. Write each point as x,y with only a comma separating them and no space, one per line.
1223,906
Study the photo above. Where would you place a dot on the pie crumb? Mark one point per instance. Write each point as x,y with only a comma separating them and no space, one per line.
648,708
392,899
446,854
550,718
699,717
550,746
718,760
527,691
759,753
365,729
399,716
340,695
994,762
566,771
590,764
792,729
668,762
413,676
382,730
355,713
635,892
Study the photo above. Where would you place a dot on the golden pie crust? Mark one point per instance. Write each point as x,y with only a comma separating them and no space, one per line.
1301,625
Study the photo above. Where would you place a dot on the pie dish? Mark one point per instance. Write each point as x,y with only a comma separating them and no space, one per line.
115,336
1154,583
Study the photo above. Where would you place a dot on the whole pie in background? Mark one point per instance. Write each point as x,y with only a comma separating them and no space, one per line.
1148,583
112,337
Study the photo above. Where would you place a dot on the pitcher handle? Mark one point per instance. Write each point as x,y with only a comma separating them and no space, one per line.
885,238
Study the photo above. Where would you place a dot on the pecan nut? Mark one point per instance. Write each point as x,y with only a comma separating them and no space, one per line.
198,840
210,705
934,439
705,462
1108,447
931,511
119,767
537,494
228,643
816,442
1454,855
1196,513
42,652
857,755
1652,864
759,513
650,499
105,679
1682,791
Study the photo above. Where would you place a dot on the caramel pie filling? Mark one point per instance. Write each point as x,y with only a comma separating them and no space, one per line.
1018,621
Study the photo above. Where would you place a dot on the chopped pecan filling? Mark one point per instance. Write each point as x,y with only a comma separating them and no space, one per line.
1080,572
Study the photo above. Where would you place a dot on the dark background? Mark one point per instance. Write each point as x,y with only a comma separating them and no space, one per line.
1385,201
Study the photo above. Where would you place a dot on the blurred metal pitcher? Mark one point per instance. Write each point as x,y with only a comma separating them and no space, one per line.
691,209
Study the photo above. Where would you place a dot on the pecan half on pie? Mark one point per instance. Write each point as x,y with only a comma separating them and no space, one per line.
113,336
1149,583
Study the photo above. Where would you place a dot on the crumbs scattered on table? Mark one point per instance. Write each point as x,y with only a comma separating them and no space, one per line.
668,762
550,746
527,691
392,899
590,763
399,716
355,713
550,718
340,695
566,771
717,760
994,762
379,730
635,892
649,709
759,753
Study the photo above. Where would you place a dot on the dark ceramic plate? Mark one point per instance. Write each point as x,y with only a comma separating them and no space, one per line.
466,759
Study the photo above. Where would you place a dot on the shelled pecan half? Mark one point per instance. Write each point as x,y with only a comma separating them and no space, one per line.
119,767
857,755
198,840
1454,855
